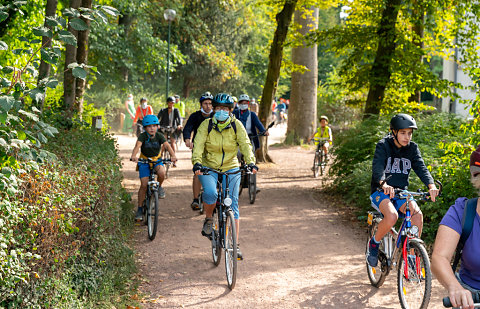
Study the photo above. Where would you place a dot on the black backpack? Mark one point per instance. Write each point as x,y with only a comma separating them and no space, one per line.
469,213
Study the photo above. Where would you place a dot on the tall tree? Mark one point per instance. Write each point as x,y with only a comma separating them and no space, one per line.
380,72
44,69
82,58
69,85
284,19
302,112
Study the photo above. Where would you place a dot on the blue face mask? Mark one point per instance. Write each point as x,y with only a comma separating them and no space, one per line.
221,115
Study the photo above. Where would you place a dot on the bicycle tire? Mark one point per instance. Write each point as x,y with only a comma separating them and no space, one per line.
216,247
420,277
316,165
230,248
152,216
144,205
377,275
252,187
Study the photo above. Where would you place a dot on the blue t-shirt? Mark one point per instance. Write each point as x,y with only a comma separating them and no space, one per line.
470,266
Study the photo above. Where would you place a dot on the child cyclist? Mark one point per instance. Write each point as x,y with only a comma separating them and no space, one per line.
395,155
150,143
324,132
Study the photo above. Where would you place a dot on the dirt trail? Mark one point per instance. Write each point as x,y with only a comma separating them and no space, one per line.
300,250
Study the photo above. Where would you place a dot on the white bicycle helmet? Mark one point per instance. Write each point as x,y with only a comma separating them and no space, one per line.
244,97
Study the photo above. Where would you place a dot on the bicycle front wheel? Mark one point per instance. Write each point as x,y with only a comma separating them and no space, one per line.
230,250
216,248
252,187
414,277
322,162
377,274
316,165
152,216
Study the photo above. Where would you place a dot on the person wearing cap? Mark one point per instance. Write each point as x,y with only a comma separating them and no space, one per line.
323,132
395,156
461,284
170,117
149,144
180,106
189,132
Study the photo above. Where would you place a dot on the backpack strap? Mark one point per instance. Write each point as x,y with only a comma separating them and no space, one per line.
210,126
469,213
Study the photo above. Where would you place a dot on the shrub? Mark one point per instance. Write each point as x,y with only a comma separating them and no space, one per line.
63,234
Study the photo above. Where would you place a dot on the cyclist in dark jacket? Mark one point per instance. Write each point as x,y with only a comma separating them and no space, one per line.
189,133
395,156
250,120
170,117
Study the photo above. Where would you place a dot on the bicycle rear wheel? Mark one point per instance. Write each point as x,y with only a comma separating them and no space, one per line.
414,277
316,165
230,250
152,216
377,275
252,187
216,247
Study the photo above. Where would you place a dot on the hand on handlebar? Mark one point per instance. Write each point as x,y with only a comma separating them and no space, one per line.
388,190
461,297
433,191
197,169
173,159
134,159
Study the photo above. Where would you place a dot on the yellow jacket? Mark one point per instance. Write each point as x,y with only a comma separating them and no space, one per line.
218,149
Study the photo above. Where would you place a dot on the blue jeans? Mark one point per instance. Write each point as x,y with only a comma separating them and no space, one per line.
209,184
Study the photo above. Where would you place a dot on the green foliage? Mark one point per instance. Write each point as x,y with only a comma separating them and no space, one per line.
445,149
64,233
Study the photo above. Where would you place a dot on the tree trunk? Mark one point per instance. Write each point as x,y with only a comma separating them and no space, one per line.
126,21
68,78
284,18
82,57
380,72
44,69
418,28
187,81
302,111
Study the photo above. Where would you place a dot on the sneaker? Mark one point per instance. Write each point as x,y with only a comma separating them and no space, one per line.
195,204
207,227
161,192
139,214
239,253
372,254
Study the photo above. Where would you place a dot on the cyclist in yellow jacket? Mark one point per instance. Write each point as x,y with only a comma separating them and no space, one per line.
323,132
215,146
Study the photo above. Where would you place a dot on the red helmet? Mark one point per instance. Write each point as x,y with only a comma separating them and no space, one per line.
475,162
475,157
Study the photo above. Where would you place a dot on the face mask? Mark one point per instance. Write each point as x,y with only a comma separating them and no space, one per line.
203,111
144,105
221,115
243,106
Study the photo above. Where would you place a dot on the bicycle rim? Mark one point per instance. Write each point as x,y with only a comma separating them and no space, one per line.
216,248
230,250
316,166
377,275
252,188
200,202
152,216
415,281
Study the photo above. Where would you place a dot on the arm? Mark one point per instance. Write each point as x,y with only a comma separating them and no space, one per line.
421,170
330,136
378,168
445,245
244,143
310,138
167,146
199,142
258,124
187,131
137,147
177,119
137,115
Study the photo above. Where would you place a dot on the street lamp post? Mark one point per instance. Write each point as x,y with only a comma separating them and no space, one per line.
169,16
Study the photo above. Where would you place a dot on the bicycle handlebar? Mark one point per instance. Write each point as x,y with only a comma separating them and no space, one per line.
404,193
205,171
151,161
476,299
